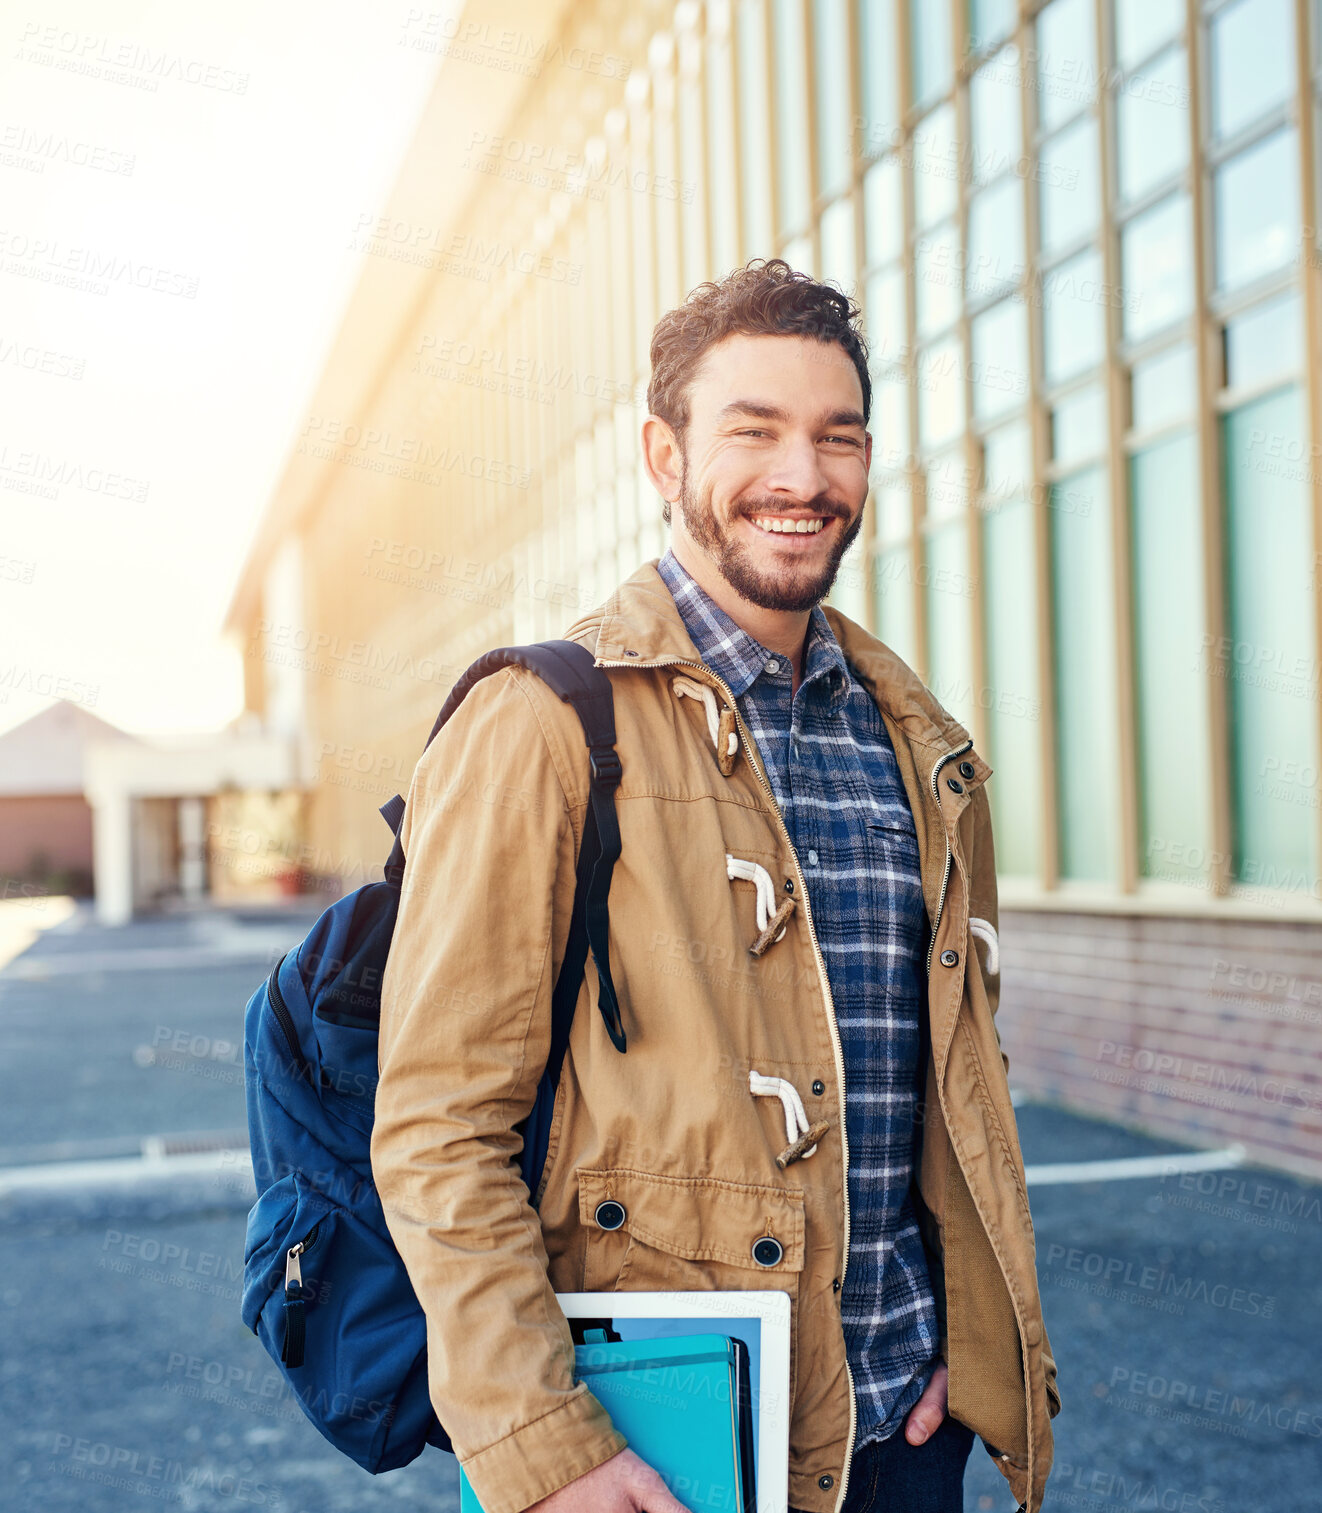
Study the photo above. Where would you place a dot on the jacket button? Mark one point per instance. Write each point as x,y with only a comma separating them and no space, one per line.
966,770
767,1251
631,654
954,785
826,1482
610,1214
789,885
819,1088
950,958
835,1284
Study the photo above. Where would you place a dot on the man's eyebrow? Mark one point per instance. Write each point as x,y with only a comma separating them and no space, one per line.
762,411
752,407
847,418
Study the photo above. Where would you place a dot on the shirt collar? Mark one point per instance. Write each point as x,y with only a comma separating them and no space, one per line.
739,658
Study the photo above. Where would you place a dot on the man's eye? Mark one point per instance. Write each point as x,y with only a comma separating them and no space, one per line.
849,441
753,433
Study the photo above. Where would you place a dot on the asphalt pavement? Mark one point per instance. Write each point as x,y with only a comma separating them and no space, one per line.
1184,1307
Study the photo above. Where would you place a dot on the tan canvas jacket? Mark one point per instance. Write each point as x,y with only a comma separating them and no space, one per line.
670,1130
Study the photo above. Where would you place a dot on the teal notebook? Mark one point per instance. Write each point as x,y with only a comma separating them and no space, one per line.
684,1406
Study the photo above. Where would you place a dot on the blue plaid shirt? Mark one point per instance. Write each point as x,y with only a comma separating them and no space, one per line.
833,771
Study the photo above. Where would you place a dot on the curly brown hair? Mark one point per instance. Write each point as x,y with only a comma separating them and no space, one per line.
766,297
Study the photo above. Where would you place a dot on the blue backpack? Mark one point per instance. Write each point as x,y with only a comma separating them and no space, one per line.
324,1288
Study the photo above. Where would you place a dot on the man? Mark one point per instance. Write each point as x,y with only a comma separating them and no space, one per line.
805,885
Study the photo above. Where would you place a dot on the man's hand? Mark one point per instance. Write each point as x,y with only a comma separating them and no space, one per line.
622,1484
926,1414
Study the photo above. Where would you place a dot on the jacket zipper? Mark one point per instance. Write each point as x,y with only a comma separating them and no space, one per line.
950,856
284,1018
836,1043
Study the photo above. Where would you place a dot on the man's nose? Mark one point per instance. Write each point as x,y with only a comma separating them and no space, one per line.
797,471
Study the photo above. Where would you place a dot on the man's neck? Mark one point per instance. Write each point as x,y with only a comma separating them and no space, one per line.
784,632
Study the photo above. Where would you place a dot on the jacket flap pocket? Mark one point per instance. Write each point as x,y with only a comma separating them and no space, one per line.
697,1218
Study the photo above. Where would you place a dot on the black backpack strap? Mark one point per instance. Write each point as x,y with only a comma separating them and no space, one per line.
569,670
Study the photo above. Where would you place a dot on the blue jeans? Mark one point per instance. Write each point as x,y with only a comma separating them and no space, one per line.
894,1476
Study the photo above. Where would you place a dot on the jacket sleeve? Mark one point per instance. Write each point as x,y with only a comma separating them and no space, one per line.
983,904
489,837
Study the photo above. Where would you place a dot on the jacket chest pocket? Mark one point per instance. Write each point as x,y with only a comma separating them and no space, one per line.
646,1233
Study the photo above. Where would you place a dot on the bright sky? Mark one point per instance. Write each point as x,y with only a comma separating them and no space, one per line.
142,429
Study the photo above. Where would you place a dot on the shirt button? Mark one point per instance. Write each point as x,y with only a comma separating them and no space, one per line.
812,858
773,665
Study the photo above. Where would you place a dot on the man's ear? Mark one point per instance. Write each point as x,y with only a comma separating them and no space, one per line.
663,458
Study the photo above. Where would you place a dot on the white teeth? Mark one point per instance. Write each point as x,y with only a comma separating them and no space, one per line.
778,524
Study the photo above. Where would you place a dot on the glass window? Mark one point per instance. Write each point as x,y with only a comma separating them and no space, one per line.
693,221
1078,426
754,131
798,254
791,116
994,123
1271,676
929,41
1170,685
935,167
1163,388
989,21
894,505
1141,26
1068,186
1083,642
1157,262
1066,64
1264,343
937,278
999,377
837,233
940,394
1152,124
1011,699
892,587
1256,209
996,239
835,159
890,422
722,175
1252,61
1073,325
887,340
947,486
1007,462
883,211
881,99
948,595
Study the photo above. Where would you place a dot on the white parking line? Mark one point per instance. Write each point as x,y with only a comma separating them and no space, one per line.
1135,1166
61,1176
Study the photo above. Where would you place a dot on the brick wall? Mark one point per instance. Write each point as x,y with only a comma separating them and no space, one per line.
1205,1031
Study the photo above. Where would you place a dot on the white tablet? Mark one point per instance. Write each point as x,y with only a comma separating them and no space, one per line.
760,1319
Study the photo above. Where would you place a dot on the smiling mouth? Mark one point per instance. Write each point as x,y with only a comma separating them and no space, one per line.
788,525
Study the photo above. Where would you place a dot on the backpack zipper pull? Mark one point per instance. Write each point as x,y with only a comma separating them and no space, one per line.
292,1351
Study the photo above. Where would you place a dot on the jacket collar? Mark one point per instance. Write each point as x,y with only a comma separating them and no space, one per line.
640,625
